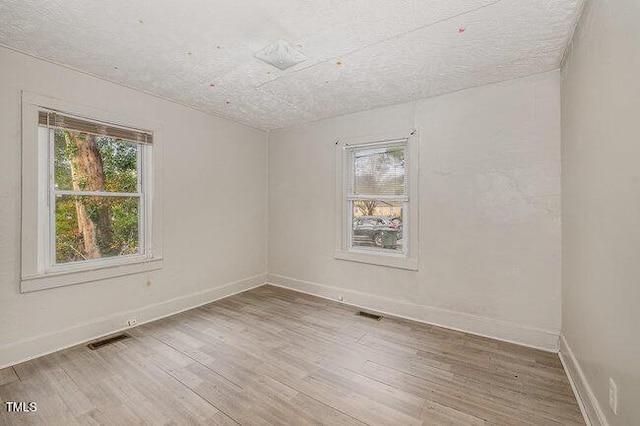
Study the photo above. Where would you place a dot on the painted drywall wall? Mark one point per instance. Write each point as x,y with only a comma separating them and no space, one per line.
214,208
490,253
601,207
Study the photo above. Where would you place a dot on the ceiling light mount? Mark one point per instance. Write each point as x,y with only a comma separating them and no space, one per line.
280,55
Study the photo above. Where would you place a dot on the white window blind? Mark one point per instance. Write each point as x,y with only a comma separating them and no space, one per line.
378,171
59,120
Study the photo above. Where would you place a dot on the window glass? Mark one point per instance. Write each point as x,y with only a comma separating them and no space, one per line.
85,162
379,171
87,226
377,224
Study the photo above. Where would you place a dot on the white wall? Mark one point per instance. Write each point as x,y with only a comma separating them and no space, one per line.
489,211
214,215
601,207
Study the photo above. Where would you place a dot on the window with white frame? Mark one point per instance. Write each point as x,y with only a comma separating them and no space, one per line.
96,190
87,196
377,202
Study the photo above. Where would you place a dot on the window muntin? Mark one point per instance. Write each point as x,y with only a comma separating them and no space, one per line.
377,198
96,202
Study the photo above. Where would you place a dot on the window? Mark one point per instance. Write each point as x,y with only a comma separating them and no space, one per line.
96,189
87,197
377,206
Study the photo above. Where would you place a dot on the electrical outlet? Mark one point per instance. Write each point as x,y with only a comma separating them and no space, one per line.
132,321
613,396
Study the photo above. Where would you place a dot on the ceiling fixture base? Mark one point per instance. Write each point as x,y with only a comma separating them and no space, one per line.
281,55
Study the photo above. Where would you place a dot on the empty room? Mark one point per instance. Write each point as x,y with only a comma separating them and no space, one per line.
338,212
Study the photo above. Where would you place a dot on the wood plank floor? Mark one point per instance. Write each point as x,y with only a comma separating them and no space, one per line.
273,356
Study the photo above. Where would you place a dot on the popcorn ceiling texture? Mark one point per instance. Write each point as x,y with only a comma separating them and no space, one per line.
362,53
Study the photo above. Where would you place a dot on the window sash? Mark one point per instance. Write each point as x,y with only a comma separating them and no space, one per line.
350,196
53,192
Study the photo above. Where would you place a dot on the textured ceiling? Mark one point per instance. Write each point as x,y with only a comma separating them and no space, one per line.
361,53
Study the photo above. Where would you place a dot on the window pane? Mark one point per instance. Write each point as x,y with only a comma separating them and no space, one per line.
378,224
85,162
379,171
95,227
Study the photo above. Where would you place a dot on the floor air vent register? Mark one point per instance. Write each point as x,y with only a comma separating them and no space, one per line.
369,315
107,341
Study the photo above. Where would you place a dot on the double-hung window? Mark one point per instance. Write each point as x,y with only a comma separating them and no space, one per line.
96,200
377,220
87,198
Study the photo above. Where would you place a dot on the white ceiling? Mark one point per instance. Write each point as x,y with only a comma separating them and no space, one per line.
362,53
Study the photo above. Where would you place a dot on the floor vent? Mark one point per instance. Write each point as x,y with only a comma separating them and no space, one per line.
369,315
100,343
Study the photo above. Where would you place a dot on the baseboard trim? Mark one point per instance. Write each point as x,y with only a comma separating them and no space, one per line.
34,347
486,327
589,405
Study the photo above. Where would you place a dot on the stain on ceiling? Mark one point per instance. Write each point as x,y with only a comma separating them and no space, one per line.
361,54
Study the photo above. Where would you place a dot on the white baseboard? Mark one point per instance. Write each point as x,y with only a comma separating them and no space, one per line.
37,346
546,340
589,405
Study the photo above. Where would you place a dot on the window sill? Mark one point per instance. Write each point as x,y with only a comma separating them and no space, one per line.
75,276
380,260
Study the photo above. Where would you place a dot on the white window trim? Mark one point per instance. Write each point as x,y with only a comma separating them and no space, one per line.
37,272
408,259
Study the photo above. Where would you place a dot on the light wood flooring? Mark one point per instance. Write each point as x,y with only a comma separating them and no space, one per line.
274,356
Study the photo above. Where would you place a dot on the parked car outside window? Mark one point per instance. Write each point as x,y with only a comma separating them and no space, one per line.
370,229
